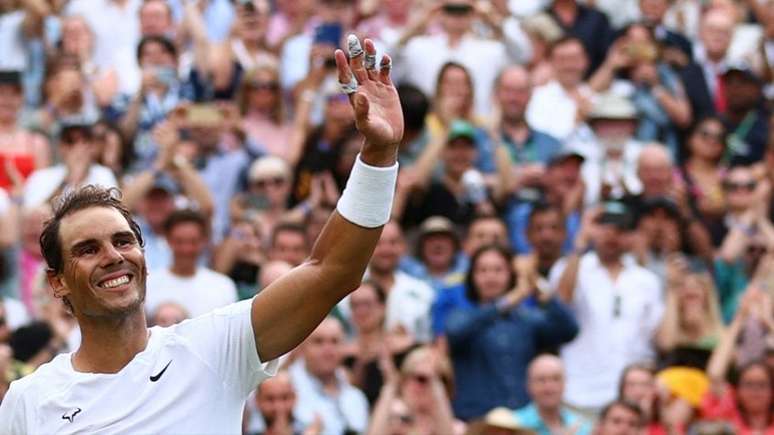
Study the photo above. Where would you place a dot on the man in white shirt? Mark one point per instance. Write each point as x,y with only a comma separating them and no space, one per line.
196,288
422,56
408,299
322,387
617,304
78,168
559,107
116,26
194,377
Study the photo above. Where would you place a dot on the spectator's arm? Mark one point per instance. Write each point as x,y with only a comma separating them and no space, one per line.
300,132
722,356
194,23
193,185
667,332
128,123
736,241
380,419
35,12
427,161
463,324
676,106
9,222
603,77
505,176
558,324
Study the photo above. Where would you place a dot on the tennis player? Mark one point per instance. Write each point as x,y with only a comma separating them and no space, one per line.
193,378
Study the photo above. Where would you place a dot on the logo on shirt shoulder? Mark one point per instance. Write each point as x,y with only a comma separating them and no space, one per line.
70,415
158,376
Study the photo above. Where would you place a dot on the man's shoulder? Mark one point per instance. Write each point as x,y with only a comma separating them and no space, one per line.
218,279
44,381
407,283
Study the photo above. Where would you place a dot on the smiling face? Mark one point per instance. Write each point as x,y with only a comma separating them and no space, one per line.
104,272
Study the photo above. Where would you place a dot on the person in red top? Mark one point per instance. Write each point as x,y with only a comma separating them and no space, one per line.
21,152
748,404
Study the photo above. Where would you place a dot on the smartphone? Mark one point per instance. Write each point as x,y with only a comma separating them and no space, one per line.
328,33
203,114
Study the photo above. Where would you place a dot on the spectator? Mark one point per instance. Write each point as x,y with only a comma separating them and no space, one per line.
274,401
116,27
322,387
692,325
438,259
496,367
703,80
485,230
703,171
460,191
156,19
198,289
417,398
160,92
268,192
638,386
634,69
424,55
373,341
289,19
272,271
168,314
29,259
545,414
588,24
677,48
559,107
562,189
21,151
619,418
79,168
265,116
240,257
529,149
747,116
415,106
617,303
289,243
247,50
408,299
543,32
388,22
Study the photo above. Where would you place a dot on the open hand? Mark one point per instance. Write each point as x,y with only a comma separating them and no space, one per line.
378,114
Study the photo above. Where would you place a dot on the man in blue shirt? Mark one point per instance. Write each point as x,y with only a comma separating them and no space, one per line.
545,413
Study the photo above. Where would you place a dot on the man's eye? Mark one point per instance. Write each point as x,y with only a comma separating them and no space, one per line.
89,251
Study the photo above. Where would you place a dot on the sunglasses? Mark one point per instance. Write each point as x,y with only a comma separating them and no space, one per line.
457,9
709,134
274,181
733,186
265,86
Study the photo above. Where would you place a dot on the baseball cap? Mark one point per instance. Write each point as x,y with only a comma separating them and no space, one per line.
687,383
565,154
163,183
650,205
268,166
745,71
437,225
500,418
461,129
615,213
75,128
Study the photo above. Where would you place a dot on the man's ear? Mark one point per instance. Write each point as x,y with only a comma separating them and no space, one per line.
57,284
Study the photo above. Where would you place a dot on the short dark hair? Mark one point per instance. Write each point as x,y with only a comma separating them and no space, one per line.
623,404
168,45
542,207
470,287
71,202
185,216
290,227
564,40
415,106
381,294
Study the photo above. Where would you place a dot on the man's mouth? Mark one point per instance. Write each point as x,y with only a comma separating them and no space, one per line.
118,281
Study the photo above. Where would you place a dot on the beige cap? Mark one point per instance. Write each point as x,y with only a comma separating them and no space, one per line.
268,166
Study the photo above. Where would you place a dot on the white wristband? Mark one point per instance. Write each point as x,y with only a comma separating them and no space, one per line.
367,199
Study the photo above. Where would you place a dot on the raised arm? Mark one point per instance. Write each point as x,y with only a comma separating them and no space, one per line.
286,312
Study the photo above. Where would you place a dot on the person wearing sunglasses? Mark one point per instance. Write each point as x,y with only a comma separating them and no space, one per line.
263,111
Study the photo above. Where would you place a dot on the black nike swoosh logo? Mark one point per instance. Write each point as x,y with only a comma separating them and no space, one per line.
158,376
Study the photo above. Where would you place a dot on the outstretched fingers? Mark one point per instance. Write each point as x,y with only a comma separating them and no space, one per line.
384,70
347,80
369,61
356,58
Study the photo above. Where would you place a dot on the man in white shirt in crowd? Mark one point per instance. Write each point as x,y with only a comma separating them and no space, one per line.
194,377
408,298
322,386
116,26
78,168
559,107
617,304
422,56
198,289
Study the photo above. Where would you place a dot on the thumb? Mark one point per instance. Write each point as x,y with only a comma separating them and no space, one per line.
361,107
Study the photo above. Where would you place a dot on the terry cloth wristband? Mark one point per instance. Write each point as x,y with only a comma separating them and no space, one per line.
367,199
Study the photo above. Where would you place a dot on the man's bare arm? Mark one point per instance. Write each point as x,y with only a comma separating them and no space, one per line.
287,311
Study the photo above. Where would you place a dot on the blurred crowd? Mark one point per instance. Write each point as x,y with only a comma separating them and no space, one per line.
581,240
